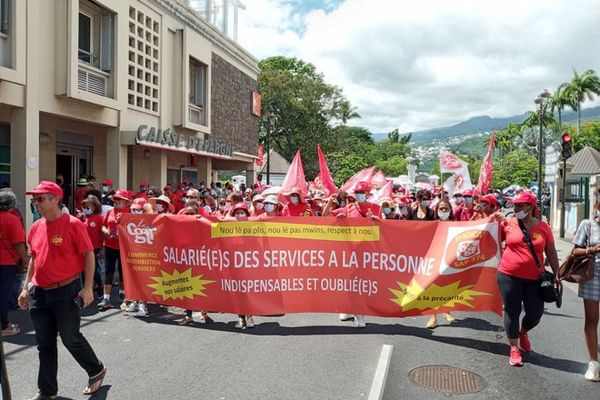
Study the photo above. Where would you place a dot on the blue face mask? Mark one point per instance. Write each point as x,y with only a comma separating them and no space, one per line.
87,211
425,203
468,200
360,197
387,210
342,204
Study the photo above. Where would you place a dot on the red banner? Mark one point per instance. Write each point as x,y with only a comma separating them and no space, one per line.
295,176
311,264
325,177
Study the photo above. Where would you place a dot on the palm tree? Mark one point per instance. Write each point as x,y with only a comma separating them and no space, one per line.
347,112
505,138
558,101
581,87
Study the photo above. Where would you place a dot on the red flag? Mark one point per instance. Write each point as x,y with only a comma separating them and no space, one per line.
485,174
378,180
326,179
295,176
387,190
362,175
261,155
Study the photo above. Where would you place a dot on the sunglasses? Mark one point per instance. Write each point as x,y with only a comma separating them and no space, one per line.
39,199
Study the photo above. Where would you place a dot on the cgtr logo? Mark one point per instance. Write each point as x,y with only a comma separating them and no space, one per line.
142,233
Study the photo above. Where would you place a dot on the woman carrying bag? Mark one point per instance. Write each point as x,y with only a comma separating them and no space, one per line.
518,273
587,243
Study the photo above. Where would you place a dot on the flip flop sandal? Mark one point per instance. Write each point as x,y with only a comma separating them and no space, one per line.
11,330
94,383
186,321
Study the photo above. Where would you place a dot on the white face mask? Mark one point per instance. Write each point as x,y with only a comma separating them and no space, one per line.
159,207
425,203
259,206
295,199
444,215
521,214
269,207
105,189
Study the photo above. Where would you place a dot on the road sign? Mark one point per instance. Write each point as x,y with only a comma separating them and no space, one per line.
552,157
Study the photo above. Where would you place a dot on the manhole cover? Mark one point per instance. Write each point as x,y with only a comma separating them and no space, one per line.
447,380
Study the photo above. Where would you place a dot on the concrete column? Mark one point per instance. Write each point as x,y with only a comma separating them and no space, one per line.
250,177
25,124
25,155
116,159
204,170
158,168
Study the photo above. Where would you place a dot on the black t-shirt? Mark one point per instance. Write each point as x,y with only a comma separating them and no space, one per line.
412,214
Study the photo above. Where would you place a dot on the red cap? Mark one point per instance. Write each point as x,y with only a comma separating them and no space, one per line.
240,206
47,187
363,186
525,197
167,187
121,194
107,181
468,192
138,203
489,198
146,184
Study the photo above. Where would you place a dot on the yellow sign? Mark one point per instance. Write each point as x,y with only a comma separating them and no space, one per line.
413,296
179,285
295,231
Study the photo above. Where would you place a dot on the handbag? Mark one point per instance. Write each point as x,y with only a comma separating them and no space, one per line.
577,269
549,293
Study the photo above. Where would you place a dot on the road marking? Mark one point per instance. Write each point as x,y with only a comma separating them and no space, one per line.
381,373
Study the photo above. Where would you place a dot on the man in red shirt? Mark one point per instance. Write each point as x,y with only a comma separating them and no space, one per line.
466,211
60,251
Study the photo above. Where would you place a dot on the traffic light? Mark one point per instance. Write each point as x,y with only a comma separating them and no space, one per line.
567,146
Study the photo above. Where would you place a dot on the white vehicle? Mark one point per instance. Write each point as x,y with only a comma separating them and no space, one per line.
237,180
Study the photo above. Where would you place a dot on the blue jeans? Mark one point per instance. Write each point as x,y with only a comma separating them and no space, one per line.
8,275
54,313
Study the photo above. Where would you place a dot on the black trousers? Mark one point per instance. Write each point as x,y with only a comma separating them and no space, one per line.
112,261
517,291
53,313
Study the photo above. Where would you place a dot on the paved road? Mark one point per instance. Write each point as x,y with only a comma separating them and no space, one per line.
310,356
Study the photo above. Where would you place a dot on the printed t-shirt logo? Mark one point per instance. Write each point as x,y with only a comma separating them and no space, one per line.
56,240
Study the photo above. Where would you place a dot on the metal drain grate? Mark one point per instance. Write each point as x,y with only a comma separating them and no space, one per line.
447,380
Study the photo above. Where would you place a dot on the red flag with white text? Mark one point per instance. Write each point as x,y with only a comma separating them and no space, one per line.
386,190
486,172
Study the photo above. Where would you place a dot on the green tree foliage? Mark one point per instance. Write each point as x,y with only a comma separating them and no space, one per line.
393,166
590,135
343,165
298,107
394,136
582,86
516,167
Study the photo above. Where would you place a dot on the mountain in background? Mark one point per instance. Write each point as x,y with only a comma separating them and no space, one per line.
482,124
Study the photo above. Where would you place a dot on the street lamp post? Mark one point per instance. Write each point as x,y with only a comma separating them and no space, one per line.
542,102
270,122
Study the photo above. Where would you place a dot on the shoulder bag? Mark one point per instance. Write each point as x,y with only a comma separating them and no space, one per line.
578,269
548,292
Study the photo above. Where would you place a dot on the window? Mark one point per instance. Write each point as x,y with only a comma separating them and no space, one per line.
5,28
197,110
95,36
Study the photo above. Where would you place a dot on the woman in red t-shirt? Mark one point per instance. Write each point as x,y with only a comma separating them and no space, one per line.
518,275
112,256
91,215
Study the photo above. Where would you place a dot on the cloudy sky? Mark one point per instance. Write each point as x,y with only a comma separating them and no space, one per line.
415,65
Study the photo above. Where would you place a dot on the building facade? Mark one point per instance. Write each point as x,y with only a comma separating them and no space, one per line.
132,90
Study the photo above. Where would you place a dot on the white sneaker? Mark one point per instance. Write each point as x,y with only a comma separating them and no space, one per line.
346,317
593,371
124,305
249,322
132,307
141,312
359,320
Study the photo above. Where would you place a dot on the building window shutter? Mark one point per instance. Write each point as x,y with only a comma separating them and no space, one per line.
106,43
200,76
4,15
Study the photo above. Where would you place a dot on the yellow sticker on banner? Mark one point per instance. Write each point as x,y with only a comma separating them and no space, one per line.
343,233
179,285
413,296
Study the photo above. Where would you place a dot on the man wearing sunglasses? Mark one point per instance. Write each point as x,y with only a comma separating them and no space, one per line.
60,251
